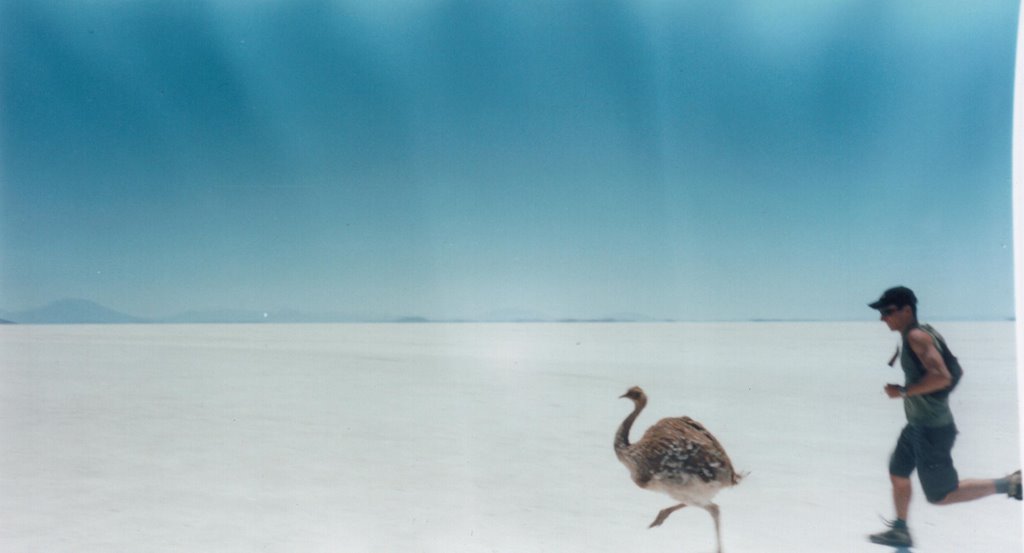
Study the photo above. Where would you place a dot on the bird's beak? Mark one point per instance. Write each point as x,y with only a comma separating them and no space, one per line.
623,395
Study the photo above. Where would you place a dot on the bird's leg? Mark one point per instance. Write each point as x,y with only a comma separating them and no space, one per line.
713,509
664,514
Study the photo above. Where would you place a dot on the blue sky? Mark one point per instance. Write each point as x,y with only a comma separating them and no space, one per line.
451,159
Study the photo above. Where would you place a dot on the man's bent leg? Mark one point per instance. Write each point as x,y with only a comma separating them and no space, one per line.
939,478
969,490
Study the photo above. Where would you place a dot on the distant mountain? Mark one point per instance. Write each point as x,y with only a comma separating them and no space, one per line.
79,311
514,316
71,311
228,316
217,316
412,320
635,318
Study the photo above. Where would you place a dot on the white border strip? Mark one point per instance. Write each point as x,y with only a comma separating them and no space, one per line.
1018,216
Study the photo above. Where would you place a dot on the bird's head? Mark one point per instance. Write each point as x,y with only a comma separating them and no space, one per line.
636,395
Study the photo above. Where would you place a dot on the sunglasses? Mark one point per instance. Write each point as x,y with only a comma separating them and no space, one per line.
889,311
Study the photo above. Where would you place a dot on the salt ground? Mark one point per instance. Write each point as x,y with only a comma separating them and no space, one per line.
471,438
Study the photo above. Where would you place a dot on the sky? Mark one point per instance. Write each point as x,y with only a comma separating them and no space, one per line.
683,160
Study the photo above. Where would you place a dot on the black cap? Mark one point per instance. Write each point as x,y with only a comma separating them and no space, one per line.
897,297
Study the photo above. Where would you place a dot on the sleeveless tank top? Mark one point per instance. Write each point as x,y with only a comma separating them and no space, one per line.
929,410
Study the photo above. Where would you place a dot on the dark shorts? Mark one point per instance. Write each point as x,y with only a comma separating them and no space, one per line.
928,451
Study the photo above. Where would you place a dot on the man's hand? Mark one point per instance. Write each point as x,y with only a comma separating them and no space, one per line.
894,390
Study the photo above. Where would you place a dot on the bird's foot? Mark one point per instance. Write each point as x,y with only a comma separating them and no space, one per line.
663,514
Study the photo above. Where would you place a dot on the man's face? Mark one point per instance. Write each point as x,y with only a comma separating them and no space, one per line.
897,318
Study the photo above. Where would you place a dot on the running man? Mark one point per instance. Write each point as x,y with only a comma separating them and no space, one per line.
925,444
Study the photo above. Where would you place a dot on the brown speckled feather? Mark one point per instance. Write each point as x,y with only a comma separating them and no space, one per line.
675,450
682,446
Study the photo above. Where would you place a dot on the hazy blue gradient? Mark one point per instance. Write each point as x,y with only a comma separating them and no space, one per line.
685,160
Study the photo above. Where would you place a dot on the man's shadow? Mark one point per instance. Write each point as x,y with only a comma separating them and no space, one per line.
902,550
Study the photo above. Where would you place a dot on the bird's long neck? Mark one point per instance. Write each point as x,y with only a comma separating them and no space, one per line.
622,436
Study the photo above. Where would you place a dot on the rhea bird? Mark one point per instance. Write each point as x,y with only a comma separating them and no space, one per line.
679,457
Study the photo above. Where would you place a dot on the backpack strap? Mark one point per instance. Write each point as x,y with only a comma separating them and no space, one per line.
937,339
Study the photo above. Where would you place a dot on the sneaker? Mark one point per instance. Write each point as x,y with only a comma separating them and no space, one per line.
895,536
1014,489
